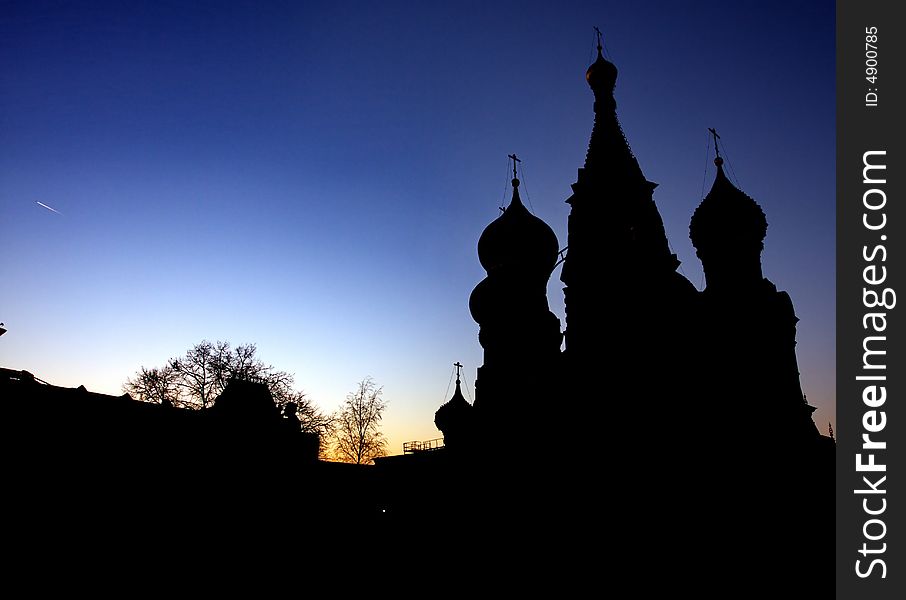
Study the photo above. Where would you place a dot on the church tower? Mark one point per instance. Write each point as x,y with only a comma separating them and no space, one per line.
752,419
518,332
748,327
626,307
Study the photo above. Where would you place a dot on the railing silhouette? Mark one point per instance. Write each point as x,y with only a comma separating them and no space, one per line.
427,446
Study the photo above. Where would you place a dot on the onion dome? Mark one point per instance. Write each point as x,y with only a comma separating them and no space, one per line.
481,304
453,417
519,240
601,75
727,218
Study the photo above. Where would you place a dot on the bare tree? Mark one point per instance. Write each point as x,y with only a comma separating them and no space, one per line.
243,363
208,367
197,378
160,386
357,436
197,371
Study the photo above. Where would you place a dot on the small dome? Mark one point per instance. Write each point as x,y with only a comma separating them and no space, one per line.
453,416
727,217
517,239
601,75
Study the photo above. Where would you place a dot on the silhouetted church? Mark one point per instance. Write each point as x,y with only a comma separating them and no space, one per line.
636,329
691,399
671,428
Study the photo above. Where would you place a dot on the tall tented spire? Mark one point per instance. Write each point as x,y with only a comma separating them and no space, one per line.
614,224
609,154
623,296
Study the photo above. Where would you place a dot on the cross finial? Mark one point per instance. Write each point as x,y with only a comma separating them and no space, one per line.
716,137
598,33
717,161
515,160
458,366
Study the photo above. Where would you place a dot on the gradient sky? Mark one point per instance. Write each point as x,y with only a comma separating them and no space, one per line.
313,176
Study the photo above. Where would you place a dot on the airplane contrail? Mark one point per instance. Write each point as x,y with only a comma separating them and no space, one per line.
50,208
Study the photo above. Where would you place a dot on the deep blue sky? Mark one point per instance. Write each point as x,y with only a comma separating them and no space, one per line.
313,177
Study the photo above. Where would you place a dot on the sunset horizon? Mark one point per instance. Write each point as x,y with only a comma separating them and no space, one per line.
314,180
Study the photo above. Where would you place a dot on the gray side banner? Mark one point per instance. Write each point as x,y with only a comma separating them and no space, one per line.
871,363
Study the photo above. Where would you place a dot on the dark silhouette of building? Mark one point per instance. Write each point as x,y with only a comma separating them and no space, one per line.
518,250
691,418
671,427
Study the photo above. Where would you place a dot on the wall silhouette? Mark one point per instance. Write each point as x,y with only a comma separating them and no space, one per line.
137,482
